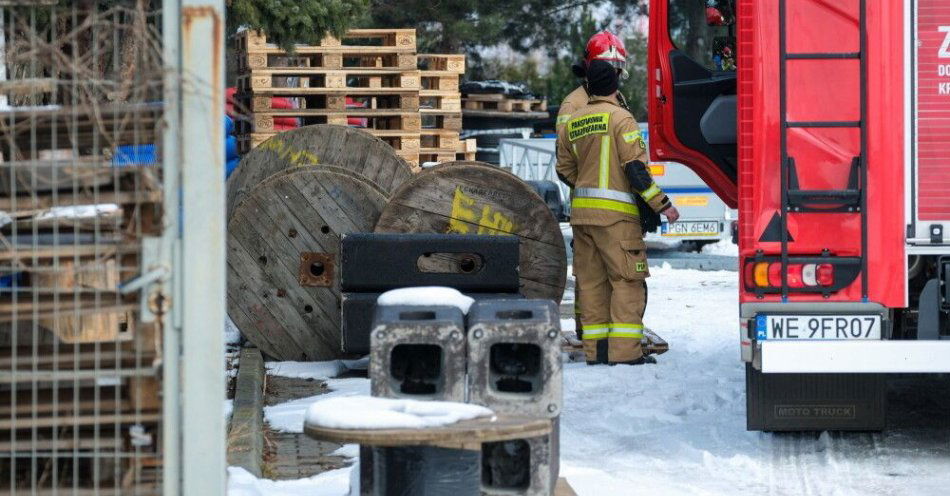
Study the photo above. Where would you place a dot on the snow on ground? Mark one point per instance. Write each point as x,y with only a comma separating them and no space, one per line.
228,409
331,483
288,416
427,295
306,370
678,427
232,335
366,412
723,247
79,211
351,451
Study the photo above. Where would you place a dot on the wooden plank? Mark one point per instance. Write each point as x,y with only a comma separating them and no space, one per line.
476,198
329,80
449,63
391,99
563,488
371,120
246,434
467,434
36,202
352,149
74,421
25,254
294,212
495,114
389,39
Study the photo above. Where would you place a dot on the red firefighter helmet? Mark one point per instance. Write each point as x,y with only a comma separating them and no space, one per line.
608,47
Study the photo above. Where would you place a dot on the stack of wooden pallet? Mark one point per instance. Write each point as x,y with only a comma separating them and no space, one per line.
370,79
79,371
501,103
440,106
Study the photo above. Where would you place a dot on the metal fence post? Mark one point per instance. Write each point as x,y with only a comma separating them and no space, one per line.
202,297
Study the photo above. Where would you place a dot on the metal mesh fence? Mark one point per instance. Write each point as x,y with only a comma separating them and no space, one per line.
80,200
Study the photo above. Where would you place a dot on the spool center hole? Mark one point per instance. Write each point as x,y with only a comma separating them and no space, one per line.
467,265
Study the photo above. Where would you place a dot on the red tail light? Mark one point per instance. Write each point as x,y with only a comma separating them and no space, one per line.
775,275
825,274
795,276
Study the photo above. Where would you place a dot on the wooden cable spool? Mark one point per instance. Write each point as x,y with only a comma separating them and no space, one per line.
477,198
283,244
340,146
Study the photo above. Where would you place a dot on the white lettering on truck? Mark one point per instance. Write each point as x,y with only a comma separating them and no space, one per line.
945,48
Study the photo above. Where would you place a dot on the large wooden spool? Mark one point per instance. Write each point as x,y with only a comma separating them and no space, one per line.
283,247
340,146
476,198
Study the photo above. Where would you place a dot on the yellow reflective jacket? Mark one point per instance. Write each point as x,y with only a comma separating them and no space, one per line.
593,147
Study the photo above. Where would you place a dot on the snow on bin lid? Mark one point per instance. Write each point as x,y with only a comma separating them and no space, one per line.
426,296
366,412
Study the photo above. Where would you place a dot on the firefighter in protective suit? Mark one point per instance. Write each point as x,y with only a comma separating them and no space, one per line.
602,157
604,46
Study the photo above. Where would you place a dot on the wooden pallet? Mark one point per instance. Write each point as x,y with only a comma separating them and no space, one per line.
378,120
502,103
58,127
362,39
441,121
443,63
354,58
439,103
466,150
351,99
401,141
440,141
438,82
279,80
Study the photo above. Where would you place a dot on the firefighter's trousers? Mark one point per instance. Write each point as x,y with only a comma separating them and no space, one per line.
611,267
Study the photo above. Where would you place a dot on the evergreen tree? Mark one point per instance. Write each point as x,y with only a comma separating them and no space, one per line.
296,21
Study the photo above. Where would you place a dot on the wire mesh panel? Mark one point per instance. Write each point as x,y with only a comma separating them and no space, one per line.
80,198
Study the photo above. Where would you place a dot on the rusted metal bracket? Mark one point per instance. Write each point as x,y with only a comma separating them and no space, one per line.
316,269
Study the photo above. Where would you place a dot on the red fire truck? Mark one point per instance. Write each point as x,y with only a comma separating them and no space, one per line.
827,124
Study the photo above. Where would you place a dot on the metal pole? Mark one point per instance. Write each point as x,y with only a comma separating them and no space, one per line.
203,242
170,245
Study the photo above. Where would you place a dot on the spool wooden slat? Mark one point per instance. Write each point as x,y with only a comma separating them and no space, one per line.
477,198
283,243
341,146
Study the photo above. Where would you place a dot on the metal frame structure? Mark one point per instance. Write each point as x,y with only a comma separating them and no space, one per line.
194,345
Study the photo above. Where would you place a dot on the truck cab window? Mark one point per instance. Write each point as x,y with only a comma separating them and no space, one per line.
704,30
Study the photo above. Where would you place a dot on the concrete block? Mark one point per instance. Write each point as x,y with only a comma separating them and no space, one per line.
514,357
418,352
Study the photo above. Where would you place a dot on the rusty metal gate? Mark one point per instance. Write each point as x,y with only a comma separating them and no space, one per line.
97,100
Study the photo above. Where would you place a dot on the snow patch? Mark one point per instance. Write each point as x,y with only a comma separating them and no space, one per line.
228,409
722,247
288,416
232,335
427,296
306,370
366,412
350,451
78,211
331,483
